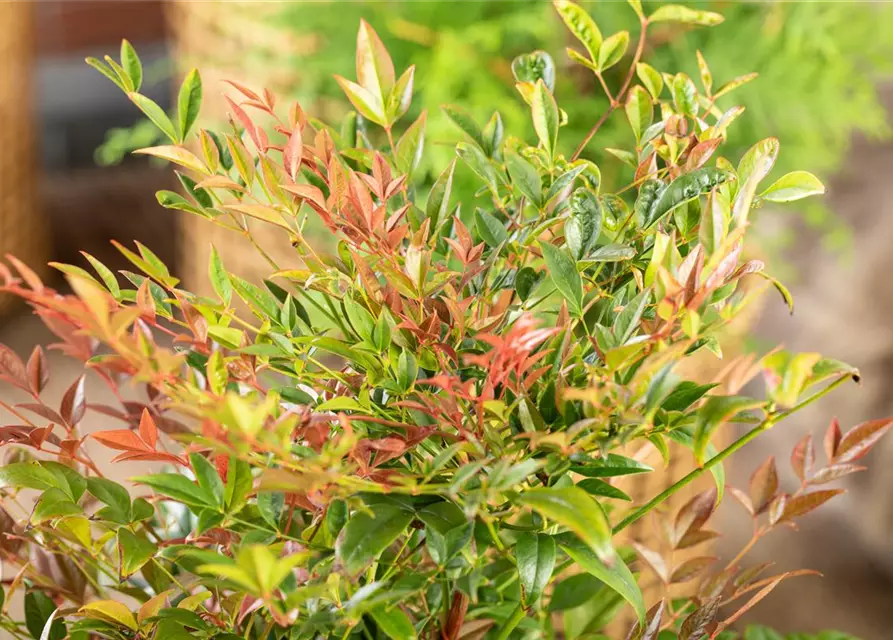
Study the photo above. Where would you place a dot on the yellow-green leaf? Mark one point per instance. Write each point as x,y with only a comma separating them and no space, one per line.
679,13
793,186
581,25
177,155
110,611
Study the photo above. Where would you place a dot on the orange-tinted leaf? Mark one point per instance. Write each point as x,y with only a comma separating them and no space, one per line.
764,485
121,439
762,593
832,439
691,568
258,135
291,154
859,440
801,505
803,457
31,278
148,430
743,498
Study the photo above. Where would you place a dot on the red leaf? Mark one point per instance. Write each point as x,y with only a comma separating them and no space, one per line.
832,439
148,431
43,411
38,370
150,456
122,440
803,457
74,402
859,440
764,485
258,135
801,505
691,568
652,624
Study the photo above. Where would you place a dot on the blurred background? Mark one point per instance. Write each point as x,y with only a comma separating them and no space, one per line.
67,183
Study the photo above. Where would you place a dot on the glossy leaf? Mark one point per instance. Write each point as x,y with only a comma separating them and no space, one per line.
563,271
535,557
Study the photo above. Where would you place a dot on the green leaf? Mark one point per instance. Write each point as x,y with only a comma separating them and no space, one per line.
573,591
365,102
685,94
616,576
375,69
490,229
393,622
27,475
438,203
479,163
794,186
407,370
679,13
411,144
535,556
156,114
651,78
462,119
178,487
39,608
207,476
627,321
53,503
596,487
107,72
530,67
493,132
582,229
612,50
525,280
716,411
108,278
545,117
610,466
110,611
684,395
581,25
270,505
525,178
639,111
365,536
189,102
130,62
219,277
133,552
683,189
112,494
564,275
578,511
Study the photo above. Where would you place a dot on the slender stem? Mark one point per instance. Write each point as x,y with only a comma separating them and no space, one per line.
618,100
516,617
765,425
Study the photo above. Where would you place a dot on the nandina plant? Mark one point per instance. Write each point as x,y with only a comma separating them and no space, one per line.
422,432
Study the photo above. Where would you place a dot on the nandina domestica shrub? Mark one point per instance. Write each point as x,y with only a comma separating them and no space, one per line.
421,434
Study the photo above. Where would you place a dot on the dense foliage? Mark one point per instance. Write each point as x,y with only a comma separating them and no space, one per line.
425,433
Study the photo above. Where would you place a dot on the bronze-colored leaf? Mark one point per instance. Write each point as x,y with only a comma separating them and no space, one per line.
764,485
694,538
38,370
801,505
651,628
691,569
834,472
701,622
776,509
742,498
654,560
803,457
74,402
694,514
12,369
859,440
762,593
